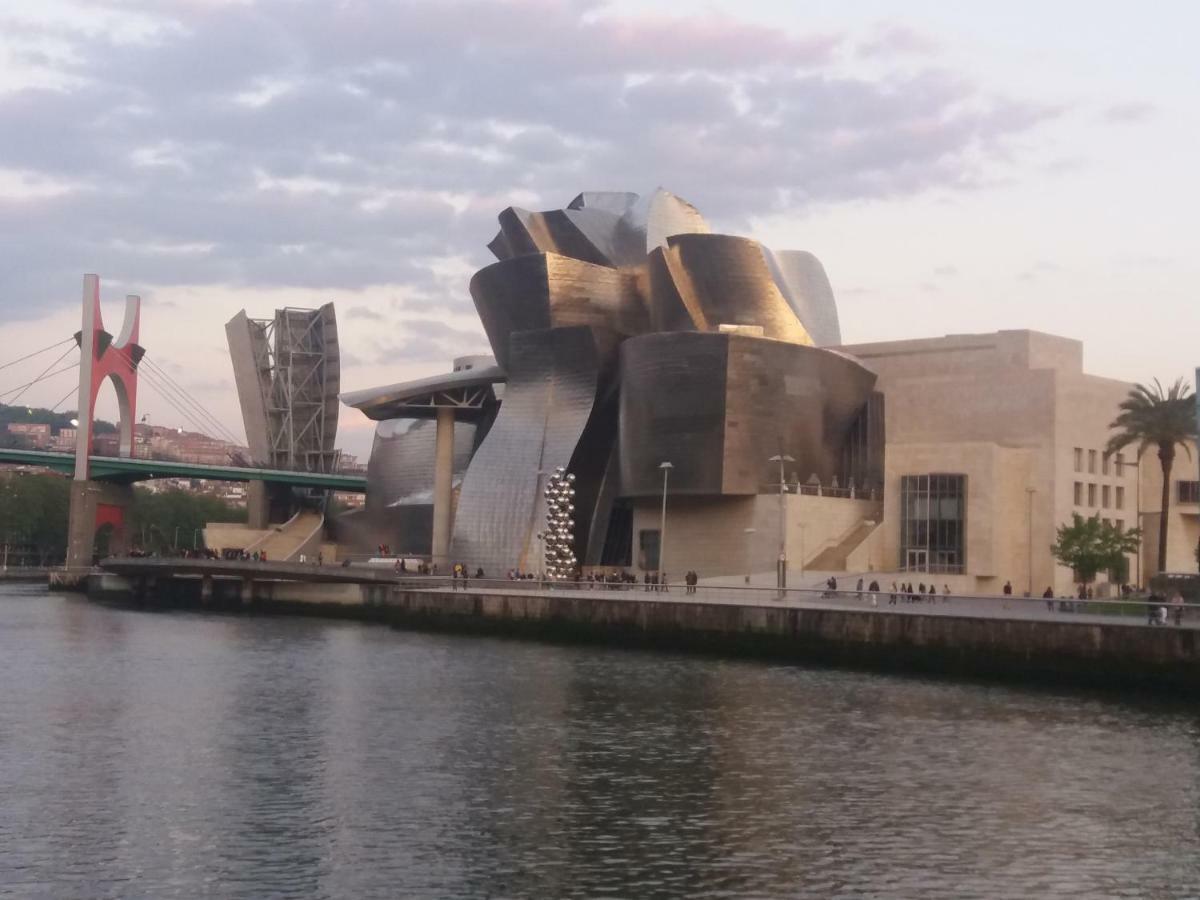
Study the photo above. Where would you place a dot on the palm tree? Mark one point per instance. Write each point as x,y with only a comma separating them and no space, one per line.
1150,417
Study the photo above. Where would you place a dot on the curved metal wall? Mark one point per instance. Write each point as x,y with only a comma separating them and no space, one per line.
538,291
803,281
399,508
725,280
717,406
553,375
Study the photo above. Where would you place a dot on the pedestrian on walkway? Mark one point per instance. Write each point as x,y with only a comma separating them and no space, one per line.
1048,596
1008,589
1177,606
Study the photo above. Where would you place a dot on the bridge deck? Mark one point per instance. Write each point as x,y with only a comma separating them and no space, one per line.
126,469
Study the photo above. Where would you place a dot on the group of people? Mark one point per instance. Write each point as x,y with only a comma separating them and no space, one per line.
1156,608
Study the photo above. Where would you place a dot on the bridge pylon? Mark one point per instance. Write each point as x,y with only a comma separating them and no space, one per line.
102,357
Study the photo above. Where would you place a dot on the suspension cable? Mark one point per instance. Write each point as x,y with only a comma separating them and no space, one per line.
162,392
69,394
186,401
36,352
196,404
24,387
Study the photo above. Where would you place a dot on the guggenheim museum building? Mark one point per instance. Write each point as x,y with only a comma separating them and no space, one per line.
657,361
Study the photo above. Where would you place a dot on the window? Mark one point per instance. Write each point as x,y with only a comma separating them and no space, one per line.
1121,465
1106,522
1092,462
1105,496
1078,459
1105,460
933,511
1091,495
1189,491
1079,493
1120,497
1120,526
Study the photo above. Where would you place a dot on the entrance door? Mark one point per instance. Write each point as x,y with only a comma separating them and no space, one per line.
918,560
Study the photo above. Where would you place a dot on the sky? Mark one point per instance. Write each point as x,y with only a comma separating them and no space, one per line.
957,167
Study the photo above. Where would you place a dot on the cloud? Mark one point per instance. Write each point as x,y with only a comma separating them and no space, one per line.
302,144
1128,113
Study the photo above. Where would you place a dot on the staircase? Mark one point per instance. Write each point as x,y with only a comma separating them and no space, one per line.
833,558
301,534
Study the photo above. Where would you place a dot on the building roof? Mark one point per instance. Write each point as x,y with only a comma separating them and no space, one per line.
420,396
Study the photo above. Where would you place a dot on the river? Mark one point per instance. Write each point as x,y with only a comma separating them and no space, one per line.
180,755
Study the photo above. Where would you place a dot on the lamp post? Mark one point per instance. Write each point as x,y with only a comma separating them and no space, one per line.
666,467
781,565
1137,503
1029,492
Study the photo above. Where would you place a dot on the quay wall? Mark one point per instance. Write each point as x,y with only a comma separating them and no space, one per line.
1075,651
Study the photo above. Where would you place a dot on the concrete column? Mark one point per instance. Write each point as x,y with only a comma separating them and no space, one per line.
81,524
443,488
258,505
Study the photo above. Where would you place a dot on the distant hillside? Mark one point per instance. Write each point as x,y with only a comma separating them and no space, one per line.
35,415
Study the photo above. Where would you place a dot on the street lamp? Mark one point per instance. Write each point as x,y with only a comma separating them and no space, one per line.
781,567
1137,465
1029,492
662,528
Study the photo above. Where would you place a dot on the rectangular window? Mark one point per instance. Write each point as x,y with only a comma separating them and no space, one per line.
933,512
1105,460
1120,525
1120,497
1078,459
1120,465
1079,493
1106,521
1189,491
1105,496
1092,462
1091,495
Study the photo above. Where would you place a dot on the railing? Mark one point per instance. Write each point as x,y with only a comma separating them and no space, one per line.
1132,610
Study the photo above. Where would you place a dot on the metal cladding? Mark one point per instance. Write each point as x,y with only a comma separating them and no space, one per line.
399,508
802,279
628,334
553,376
718,405
288,372
717,279
543,290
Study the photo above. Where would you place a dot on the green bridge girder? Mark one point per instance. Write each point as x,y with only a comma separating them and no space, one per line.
125,470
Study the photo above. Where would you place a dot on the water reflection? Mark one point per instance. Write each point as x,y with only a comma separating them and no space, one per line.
175,755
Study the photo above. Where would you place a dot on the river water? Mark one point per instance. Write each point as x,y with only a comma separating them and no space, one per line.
179,755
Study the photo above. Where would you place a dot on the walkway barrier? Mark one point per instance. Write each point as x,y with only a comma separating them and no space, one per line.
1134,610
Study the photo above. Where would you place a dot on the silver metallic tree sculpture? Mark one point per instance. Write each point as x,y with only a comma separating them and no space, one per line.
559,536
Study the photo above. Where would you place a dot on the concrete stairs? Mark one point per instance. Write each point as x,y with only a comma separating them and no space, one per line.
833,558
301,534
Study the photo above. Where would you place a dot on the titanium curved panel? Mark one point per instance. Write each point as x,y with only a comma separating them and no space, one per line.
662,215
802,280
553,377
725,280
717,406
617,202
539,291
399,507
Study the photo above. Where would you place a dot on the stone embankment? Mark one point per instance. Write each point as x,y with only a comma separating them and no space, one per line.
943,639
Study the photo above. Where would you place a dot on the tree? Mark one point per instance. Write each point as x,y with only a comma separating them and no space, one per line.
1089,546
156,518
1150,417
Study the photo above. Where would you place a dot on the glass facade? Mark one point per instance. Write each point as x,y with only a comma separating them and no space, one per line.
933,510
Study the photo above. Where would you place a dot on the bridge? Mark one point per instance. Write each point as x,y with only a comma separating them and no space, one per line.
127,470
101,486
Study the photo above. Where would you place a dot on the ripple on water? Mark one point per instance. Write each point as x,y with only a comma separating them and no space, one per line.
180,756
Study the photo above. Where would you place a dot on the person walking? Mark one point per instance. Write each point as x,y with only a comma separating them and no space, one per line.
1048,596
1177,606
1008,589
